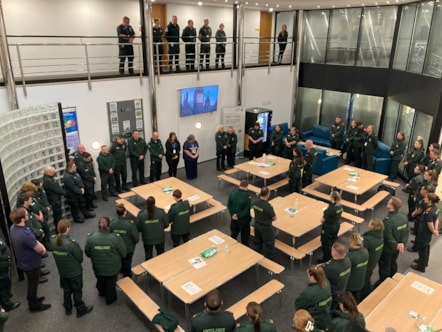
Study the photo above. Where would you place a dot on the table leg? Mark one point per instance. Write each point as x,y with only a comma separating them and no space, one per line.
293,241
187,309
162,291
265,182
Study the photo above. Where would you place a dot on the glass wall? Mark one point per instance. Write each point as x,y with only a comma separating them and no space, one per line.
314,41
406,118
376,37
422,128
420,37
433,63
390,121
308,107
404,36
368,110
334,103
343,39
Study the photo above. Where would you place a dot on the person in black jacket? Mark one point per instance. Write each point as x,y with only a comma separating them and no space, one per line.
189,38
173,38
158,48
54,192
331,221
369,149
282,42
173,148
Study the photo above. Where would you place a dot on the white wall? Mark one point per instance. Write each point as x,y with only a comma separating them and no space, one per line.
4,104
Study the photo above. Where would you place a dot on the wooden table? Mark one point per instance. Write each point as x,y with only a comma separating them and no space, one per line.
307,218
393,311
260,168
339,178
194,195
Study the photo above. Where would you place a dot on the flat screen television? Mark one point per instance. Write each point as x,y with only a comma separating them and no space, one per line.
198,100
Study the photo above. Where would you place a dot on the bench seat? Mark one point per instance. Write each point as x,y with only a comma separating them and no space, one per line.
131,208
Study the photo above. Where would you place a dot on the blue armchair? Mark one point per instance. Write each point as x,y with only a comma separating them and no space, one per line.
324,163
382,159
320,135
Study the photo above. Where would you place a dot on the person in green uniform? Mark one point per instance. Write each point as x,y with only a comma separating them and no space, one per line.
34,220
4,316
352,133
428,227
179,217
106,165
294,172
397,150
369,148
264,216
118,150
310,158
435,162
232,141
173,38
6,278
417,214
68,257
348,318
276,140
221,147
137,151
87,173
374,242
106,250
359,143
304,322
256,322
158,48
126,35
337,270
53,191
213,318
395,237
239,204
156,151
331,221
42,199
125,227
204,35
413,158
189,38
359,260
290,143
151,222
220,49
414,184
255,141
337,133
316,297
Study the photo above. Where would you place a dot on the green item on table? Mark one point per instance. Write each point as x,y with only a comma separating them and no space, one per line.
168,190
271,163
354,173
209,252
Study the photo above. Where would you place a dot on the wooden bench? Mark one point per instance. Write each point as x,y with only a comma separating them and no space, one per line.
275,186
132,209
391,184
141,300
137,272
231,171
202,214
398,276
259,296
293,253
376,296
309,248
271,266
126,194
374,200
213,202
250,187
355,220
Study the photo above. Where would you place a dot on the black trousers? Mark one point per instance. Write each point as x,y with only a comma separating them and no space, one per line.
240,226
155,170
220,53
205,53
176,238
5,292
120,175
295,184
220,159
191,168
329,234
137,167
57,213
231,154
88,194
307,176
77,204
106,287
281,52
107,184
350,153
387,265
265,237
73,288
367,161
174,55
158,56
173,166
33,276
255,150
148,249
126,265
190,57
126,51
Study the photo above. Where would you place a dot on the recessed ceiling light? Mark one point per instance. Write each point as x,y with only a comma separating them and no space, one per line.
256,4
267,4
318,6
290,6
376,3
388,2
277,5
247,3
270,9
333,6
200,3
363,4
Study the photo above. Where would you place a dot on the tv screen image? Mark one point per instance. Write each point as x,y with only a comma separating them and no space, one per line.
198,100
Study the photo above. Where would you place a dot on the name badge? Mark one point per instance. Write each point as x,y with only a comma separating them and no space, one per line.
365,144
174,151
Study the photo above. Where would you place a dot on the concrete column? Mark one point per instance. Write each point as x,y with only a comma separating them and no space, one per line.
240,51
150,64
297,64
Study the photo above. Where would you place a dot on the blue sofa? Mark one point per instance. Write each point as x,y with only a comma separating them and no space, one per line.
382,159
319,135
324,163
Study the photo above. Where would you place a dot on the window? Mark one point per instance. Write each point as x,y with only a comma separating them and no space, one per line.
334,103
404,37
433,62
308,107
368,109
314,39
390,121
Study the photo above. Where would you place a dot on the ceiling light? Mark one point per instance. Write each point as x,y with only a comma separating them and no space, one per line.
319,6
247,3
277,5
388,2
267,4
363,5
333,6
290,6
270,9
200,3
256,4
198,125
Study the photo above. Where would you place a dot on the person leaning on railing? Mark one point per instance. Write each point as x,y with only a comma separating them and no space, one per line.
126,37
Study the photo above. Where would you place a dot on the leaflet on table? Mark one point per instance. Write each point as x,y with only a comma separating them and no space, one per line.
353,179
216,239
423,288
193,198
264,172
197,262
352,187
168,189
291,210
254,163
191,288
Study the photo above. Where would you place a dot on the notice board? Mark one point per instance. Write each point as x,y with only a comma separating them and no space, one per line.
124,117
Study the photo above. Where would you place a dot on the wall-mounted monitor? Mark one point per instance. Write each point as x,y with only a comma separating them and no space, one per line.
198,100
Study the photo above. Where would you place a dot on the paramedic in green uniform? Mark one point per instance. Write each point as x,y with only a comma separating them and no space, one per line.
395,237
221,141
337,133
158,48
239,204
118,150
276,140
414,158
213,318
106,250
156,150
309,163
255,141
179,217
151,223
369,148
331,221
106,165
294,173
232,141
264,216
68,256
256,322
352,133
290,142
126,228
397,150
137,151
418,213
359,260
204,36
